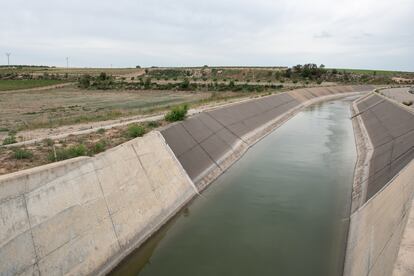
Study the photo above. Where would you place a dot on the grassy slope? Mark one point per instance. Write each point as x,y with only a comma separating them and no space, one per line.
6,85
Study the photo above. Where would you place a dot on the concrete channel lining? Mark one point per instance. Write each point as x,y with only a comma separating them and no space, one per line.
199,144
377,224
391,130
82,216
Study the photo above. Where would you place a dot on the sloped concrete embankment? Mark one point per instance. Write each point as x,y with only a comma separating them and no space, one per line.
81,216
208,143
84,215
383,186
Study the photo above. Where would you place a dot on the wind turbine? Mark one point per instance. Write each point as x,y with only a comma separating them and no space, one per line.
8,58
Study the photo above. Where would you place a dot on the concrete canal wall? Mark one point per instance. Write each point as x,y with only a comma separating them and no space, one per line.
208,143
383,186
82,216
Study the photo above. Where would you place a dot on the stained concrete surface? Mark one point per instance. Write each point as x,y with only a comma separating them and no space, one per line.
385,189
391,130
79,216
83,215
203,141
377,227
399,94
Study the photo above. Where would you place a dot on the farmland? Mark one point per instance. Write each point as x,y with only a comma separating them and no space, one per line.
6,85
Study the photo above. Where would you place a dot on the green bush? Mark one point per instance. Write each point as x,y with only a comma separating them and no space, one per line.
9,140
153,124
84,81
20,154
67,153
101,131
99,147
177,113
135,130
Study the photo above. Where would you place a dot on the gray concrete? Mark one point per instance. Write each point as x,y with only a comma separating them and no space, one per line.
83,215
391,130
206,142
404,265
399,94
376,228
383,187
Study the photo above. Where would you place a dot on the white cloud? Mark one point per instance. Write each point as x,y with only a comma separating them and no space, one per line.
338,33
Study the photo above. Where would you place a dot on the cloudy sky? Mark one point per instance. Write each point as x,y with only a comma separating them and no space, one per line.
376,34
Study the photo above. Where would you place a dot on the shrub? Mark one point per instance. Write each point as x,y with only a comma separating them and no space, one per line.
71,152
84,81
135,130
153,124
177,113
99,147
49,142
9,140
20,154
101,131
185,84
103,76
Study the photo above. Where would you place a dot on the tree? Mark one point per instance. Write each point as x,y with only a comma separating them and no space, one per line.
84,81
103,76
185,84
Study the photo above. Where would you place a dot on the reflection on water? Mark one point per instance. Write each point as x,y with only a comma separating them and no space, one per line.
280,210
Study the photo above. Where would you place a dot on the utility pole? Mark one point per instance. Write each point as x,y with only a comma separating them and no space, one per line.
8,58
67,62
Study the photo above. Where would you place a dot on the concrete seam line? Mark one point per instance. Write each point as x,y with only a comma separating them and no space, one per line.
226,128
145,172
362,162
31,233
178,163
388,241
368,108
406,108
386,185
199,144
107,209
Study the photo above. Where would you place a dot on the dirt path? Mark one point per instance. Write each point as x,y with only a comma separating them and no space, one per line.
37,135
55,86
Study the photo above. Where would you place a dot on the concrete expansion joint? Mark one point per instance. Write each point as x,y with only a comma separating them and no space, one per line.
220,123
37,259
109,212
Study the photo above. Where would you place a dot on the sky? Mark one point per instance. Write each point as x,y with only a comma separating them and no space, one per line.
371,34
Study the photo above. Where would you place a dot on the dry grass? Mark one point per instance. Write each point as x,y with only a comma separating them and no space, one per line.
70,105
19,158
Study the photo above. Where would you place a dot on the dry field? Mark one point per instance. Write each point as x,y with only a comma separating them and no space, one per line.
70,105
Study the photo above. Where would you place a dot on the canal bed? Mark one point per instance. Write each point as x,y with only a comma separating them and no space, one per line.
280,210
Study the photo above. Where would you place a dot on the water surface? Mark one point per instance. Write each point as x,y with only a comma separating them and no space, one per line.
278,211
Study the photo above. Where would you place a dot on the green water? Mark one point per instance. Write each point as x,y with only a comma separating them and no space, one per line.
278,211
